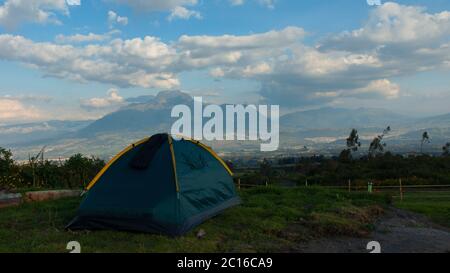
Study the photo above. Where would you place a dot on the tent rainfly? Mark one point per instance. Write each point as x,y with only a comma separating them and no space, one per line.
158,185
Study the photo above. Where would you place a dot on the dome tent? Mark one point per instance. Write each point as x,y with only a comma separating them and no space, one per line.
158,185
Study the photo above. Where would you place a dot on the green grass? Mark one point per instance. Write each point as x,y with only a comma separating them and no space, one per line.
435,205
270,220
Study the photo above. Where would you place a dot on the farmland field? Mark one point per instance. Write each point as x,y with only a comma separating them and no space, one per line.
270,219
434,204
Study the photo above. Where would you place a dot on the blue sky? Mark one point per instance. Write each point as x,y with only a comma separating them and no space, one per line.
60,61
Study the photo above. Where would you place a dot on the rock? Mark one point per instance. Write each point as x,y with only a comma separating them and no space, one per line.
14,199
50,195
201,233
10,199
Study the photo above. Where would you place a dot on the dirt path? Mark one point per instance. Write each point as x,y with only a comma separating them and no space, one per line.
398,231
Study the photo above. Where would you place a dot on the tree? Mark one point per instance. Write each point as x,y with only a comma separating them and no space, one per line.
345,156
425,139
446,149
6,162
377,145
6,168
77,166
353,144
353,141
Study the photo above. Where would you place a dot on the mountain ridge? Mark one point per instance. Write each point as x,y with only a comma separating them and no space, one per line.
323,129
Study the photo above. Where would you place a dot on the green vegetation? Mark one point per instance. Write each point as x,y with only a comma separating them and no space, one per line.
446,149
39,173
270,220
435,205
383,170
378,166
377,145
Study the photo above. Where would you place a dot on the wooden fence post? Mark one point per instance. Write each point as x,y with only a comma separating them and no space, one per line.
401,190
306,183
239,184
349,185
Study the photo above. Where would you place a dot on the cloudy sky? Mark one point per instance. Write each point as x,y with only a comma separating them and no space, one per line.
72,59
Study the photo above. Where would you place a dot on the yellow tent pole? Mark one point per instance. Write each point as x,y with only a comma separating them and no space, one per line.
174,163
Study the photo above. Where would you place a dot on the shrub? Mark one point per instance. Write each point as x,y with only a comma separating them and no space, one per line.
76,172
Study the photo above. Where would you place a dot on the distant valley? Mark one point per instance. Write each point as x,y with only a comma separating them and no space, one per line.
320,131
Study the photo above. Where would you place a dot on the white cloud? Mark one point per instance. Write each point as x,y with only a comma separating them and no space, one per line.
73,2
217,72
21,129
14,110
286,68
84,38
375,89
113,99
308,76
114,18
289,72
232,50
146,62
27,98
285,37
255,70
397,40
137,62
177,8
183,13
383,88
15,12
394,24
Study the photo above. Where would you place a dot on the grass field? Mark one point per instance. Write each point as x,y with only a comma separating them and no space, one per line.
434,204
270,220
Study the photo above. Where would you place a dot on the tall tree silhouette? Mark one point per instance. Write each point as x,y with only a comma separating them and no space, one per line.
425,139
353,144
377,145
6,161
446,149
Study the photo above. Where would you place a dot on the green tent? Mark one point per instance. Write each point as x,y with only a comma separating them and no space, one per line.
158,185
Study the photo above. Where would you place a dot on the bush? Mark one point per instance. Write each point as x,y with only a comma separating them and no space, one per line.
6,169
383,169
76,172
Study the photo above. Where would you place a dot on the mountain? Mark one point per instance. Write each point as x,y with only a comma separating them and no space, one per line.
441,121
39,131
140,99
151,116
322,130
154,116
338,118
